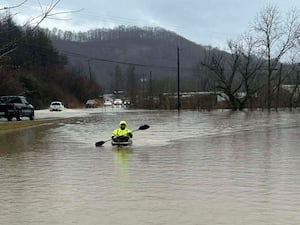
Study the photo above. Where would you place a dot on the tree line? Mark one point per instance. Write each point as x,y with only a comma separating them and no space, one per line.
31,66
120,32
260,64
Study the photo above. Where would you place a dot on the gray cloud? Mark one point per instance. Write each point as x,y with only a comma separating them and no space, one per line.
205,22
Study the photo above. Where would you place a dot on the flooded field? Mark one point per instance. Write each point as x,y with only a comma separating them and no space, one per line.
188,168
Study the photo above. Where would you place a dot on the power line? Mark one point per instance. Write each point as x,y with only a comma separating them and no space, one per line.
117,61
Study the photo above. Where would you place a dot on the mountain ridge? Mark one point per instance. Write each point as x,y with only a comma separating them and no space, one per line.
95,53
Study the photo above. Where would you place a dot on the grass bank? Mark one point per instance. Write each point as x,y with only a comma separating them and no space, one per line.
17,125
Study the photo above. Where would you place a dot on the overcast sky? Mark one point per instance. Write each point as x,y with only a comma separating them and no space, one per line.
206,22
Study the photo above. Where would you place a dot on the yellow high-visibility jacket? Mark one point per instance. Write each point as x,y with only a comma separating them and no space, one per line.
119,132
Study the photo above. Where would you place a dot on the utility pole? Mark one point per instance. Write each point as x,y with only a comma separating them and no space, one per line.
90,72
143,87
151,89
178,82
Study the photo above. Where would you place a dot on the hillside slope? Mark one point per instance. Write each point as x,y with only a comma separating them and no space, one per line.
145,50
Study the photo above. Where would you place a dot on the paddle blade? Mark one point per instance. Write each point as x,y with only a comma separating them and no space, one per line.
99,143
144,127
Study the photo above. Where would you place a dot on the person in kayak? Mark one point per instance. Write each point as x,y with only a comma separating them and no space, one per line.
122,133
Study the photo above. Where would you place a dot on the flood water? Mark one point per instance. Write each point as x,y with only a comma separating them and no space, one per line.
188,168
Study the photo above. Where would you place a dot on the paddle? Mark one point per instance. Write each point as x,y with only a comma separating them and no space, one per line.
144,127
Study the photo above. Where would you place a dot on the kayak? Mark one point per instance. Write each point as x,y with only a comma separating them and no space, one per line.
125,140
121,141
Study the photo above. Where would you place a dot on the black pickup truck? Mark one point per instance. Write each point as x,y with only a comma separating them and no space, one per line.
15,106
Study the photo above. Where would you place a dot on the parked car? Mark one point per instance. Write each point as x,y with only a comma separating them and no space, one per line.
91,103
107,103
15,106
118,101
56,106
127,103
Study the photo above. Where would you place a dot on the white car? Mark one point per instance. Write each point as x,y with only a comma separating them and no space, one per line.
118,101
107,103
91,103
56,106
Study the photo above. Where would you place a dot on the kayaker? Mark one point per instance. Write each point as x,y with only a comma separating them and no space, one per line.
122,132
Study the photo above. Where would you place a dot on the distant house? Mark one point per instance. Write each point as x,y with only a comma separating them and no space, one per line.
290,88
189,100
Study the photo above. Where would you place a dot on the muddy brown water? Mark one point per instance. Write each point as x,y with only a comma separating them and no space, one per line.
188,168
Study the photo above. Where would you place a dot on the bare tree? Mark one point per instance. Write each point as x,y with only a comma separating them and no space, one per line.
131,83
279,79
236,73
276,37
117,79
249,67
31,25
225,68
294,94
14,6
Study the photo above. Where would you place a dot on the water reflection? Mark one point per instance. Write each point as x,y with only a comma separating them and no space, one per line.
188,168
120,155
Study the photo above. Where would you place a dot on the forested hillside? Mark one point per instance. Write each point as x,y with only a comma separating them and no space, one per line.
32,67
96,53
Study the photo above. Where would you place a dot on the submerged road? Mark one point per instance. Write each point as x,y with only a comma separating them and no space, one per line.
46,117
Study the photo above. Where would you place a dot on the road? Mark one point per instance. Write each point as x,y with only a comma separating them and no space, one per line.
44,116
66,113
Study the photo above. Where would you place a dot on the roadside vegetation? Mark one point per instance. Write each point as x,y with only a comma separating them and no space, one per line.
31,66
